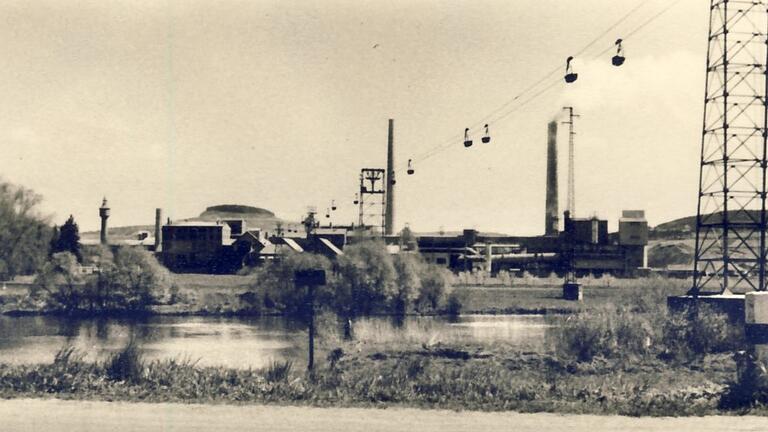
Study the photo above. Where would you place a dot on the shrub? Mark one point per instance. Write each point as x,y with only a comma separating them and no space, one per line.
606,332
408,283
367,279
454,304
275,280
278,371
750,386
435,288
59,284
135,281
126,365
689,335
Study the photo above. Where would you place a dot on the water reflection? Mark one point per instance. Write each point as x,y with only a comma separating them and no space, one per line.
236,342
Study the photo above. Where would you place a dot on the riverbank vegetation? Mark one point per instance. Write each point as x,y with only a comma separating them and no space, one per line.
129,281
632,358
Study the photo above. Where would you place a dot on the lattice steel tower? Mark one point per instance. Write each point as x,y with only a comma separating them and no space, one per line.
730,224
372,207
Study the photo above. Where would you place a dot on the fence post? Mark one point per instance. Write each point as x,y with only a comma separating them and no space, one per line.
311,279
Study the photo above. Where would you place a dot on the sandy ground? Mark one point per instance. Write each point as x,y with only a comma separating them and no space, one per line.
55,415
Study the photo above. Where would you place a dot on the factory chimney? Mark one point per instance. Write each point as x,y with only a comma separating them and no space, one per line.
551,213
104,215
389,212
158,230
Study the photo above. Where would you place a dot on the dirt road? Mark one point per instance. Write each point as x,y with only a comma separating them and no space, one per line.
53,415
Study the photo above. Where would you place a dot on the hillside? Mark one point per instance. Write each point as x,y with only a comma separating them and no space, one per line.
255,217
688,224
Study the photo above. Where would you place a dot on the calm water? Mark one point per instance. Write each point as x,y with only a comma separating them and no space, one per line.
237,342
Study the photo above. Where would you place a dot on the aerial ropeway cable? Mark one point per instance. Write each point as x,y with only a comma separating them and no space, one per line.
570,77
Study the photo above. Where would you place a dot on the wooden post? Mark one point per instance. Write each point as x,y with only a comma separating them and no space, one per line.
311,279
311,354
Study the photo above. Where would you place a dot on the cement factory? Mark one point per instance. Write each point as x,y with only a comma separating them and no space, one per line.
583,245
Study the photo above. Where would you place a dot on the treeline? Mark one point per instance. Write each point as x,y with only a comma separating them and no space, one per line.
25,235
27,240
130,280
365,280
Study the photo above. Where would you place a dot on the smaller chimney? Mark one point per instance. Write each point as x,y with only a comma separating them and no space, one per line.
104,215
158,230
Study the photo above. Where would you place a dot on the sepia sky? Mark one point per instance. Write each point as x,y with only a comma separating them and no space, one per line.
278,104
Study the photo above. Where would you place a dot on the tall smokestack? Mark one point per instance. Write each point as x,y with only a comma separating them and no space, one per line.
158,229
389,218
551,213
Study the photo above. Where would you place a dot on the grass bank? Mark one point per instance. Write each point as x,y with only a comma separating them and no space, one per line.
438,376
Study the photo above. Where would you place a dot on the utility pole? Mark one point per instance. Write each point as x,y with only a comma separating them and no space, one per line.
571,204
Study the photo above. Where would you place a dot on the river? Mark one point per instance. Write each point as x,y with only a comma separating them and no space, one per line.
241,342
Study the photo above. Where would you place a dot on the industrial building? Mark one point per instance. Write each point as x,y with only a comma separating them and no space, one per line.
585,246
226,246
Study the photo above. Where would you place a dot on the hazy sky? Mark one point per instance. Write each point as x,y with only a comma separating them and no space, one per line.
278,104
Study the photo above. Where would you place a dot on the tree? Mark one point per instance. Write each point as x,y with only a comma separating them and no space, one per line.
408,240
59,283
68,239
366,279
276,278
435,287
54,241
134,282
130,281
24,234
408,281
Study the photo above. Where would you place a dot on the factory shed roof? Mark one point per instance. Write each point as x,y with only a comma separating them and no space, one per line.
291,243
331,248
196,224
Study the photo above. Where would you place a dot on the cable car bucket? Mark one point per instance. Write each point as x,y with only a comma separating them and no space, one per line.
570,76
467,141
487,137
619,58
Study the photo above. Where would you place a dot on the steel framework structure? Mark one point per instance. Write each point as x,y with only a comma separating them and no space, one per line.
372,210
731,221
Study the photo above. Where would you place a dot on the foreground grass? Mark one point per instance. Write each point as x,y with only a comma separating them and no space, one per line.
437,376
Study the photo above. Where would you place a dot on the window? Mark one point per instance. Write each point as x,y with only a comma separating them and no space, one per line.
441,261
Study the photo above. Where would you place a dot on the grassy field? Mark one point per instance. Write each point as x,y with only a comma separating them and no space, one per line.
547,297
223,294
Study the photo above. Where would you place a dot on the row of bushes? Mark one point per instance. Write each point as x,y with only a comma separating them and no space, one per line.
623,333
129,280
366,280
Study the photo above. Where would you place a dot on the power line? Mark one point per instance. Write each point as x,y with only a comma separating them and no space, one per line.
448,142
644,24
489,118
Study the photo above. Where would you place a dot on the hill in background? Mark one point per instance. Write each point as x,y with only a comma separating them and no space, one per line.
255,217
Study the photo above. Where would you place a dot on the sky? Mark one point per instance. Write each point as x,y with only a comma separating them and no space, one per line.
185,104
